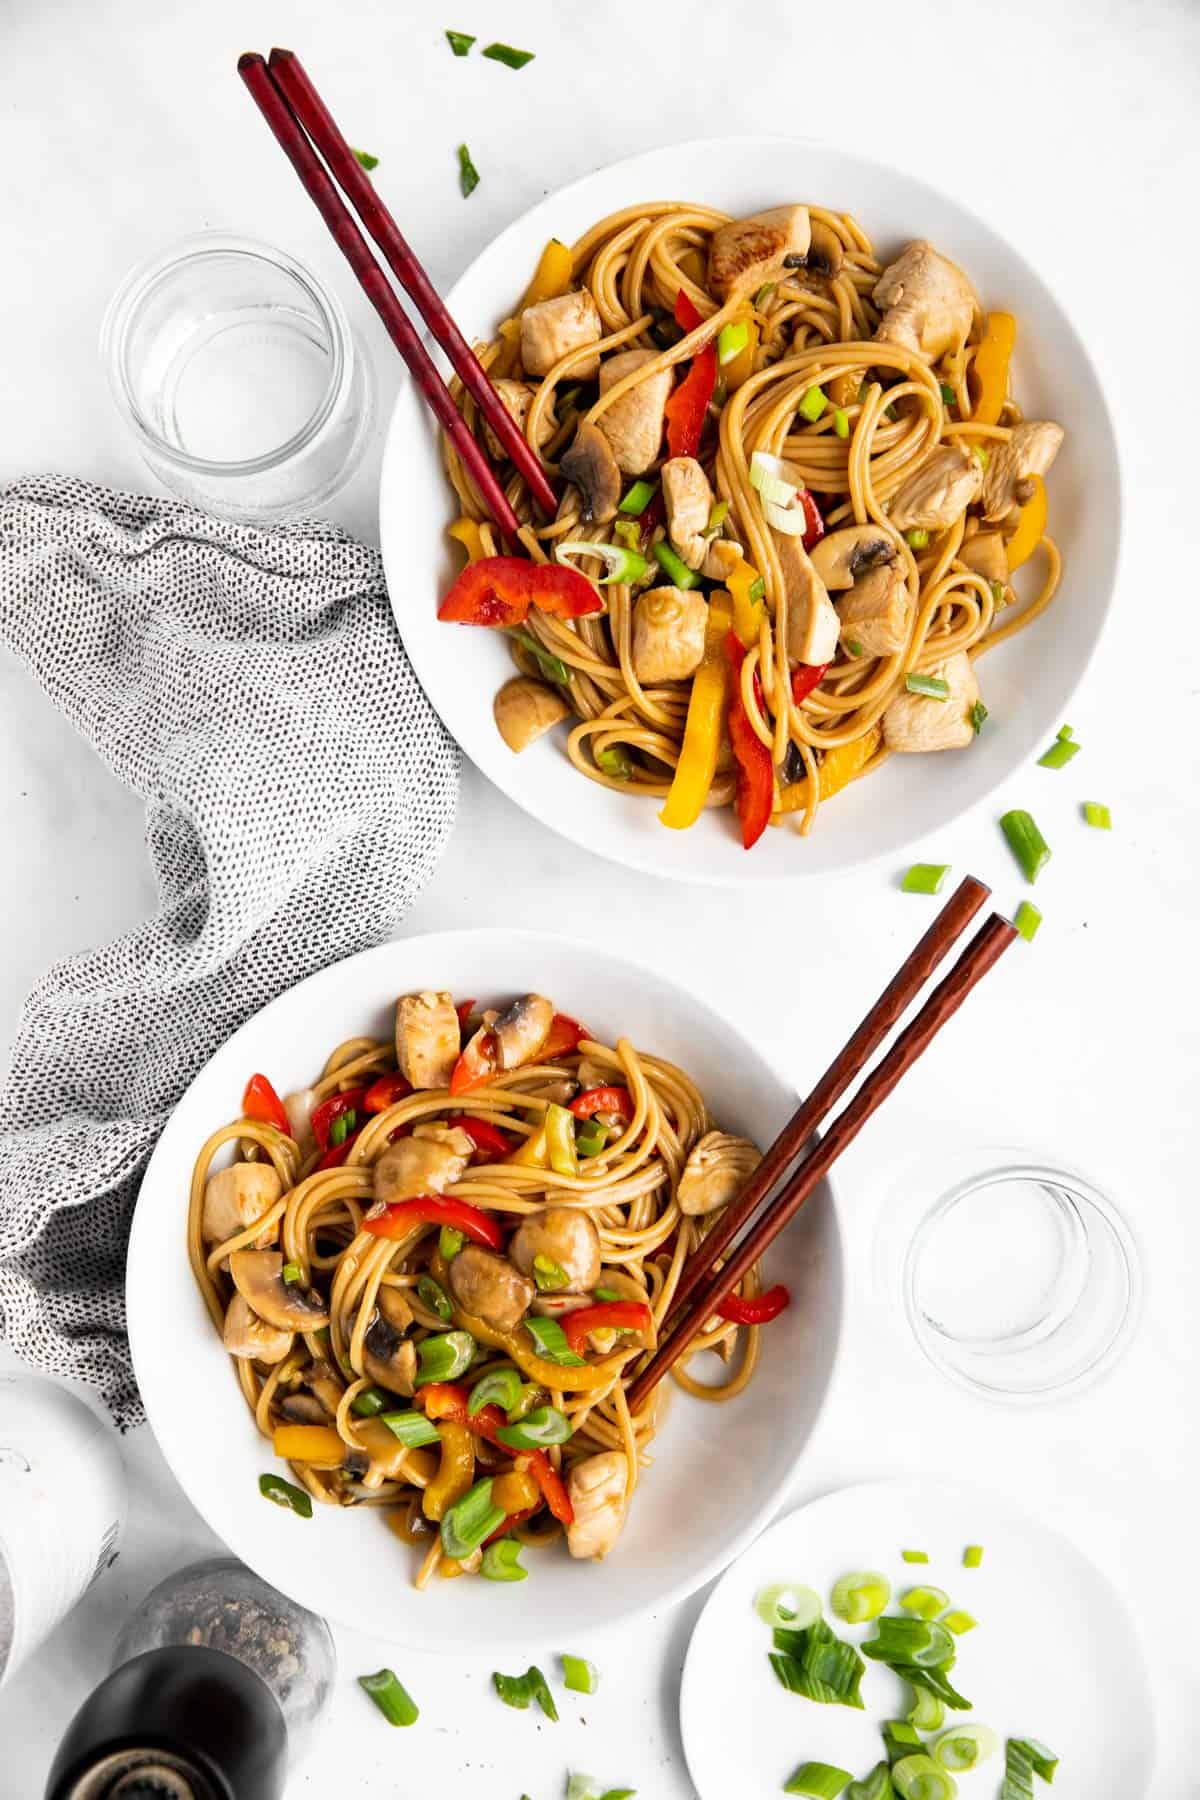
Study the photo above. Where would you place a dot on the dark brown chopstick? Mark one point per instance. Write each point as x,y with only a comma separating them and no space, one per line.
849,1063
317,120
985,948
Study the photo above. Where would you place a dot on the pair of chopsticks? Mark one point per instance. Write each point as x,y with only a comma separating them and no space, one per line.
305,127
703,1285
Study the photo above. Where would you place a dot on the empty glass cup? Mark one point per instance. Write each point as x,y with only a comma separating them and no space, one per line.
239,376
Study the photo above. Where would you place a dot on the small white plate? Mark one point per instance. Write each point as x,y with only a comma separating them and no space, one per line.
1026,683
1055,1654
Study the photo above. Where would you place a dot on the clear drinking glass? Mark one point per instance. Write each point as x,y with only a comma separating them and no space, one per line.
239,376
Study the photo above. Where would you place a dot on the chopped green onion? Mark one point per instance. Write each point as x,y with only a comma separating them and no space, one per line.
924,878
549,1276
997,588
1065,731
973,1554
470,1520
920,1778
875,1786
756,591
500,1387
1059,754
628,532
841,423
1026,842
812,404
530,1396
936,1681
621,563
550,1341
502,1561
459,41
926,1602
365,160
773,478
674,566
411,1427
979,713
614,761
927,1711
545,1425
504,53
608,1294
590,1135
1098,815
370,1402
1043,1761
586,1787
519,1690
823,1667
916,539
859,1596
450,1242
292,1273
914,1556
790,1673
863,389
638,498
889,412
963,1746
341,1127
433,1295
718,515
580,1675
1022,1757
921,1642
391,1697
949,396
468,174
764,293
854,647
958,1621
286,1493
552,667
932,686
444,1357
786,1603
982,456
821,1779
900,1739
731,341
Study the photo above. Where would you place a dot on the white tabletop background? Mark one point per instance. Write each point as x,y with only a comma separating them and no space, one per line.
1073,127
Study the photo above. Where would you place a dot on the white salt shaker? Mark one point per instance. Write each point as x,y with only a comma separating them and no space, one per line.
62,1509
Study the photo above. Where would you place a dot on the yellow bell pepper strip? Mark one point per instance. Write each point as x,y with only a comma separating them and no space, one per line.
534,1152
1031,527
570,1379
560,1140
466,532
740,367
319,1445
840,767
552,275
516,1492
747,611
705,716
456,1471
990,367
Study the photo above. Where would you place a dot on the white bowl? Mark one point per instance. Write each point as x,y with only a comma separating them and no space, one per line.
719,1471
1026,683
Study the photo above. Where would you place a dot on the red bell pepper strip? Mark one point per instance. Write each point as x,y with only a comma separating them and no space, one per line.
759,1311
261,1102
336,1107
448,1400
807,677
687,407
562,1038
464,1009
486,1137
499,590
814,524
615,1100
511,1523
754,794
613,1315
385,1092
403,1216
477,1063
337,1154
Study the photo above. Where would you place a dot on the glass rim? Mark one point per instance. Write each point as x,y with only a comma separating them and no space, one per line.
135,289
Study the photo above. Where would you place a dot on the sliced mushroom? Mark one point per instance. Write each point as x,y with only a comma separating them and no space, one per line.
812,621
236,1198
689,503
565,1236
715,1172
389,1357
389,1457
668,633
590,466
427,1038
747,252
522,1030
826,252
928,304
252,1339
428,1162
919,722
939,490
842,556
984,554
1012,465
487,1285
258,1278
551,328
320,1378
721,559
525,709
301,1408
633,424
598,1490
875,613
516,397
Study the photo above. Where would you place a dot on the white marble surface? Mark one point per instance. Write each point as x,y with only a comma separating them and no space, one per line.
1073,127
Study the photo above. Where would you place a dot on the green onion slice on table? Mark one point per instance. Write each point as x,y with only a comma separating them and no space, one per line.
925,1602
822,1780
787,1603
920,1778
1026,842
860,1596
391,1697
286,1494
519,1690
579,1674
963,1746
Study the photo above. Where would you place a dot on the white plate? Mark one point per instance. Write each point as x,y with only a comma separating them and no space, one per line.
1055,1654
719,1471
1026,684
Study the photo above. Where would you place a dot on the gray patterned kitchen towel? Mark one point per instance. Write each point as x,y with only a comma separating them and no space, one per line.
250,684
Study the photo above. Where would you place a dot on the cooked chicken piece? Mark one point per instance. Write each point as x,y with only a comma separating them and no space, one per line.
525,709
488,1286
875,613
516,397
562,1235
916,722
721,559
247,1336
984,554
523,1029
389,1357
927,302
236,1197
556,1306
427,1038
552,327
428,1162
590,466
842,557
716,1171
747,252
1008,481
689,502
812,621
633,425
938,491
668,634
598,1491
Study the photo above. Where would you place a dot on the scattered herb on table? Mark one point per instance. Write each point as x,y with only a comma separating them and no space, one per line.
391,1697
468,174
504,53
366,160
460,42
